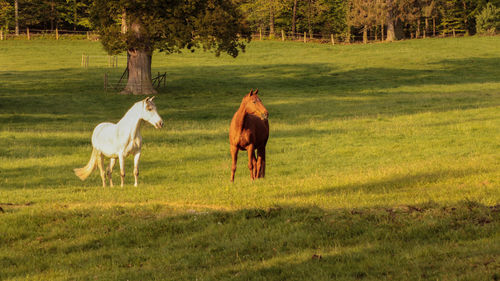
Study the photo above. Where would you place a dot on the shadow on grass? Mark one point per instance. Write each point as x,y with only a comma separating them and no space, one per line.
213,92
152,242
40,176
395,183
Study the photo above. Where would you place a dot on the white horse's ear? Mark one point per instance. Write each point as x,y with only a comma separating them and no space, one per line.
149,99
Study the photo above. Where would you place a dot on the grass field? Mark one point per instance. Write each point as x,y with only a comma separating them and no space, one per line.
383,164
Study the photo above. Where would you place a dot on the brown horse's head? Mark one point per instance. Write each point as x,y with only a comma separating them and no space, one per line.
253,105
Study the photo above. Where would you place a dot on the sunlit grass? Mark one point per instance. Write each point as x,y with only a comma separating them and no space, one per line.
382,164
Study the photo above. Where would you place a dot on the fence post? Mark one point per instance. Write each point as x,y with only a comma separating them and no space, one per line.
282,35
1,34
88,36
57,33
28,32
82,60
260,34
331,37
453,32
305,37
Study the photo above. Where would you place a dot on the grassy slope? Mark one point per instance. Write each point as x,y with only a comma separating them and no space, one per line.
383,160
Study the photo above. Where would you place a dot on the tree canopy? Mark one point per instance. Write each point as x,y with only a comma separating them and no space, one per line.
170,25
346,19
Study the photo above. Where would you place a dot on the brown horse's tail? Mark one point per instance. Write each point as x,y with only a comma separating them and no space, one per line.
84,172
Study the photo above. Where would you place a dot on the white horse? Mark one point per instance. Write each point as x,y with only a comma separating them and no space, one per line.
120,140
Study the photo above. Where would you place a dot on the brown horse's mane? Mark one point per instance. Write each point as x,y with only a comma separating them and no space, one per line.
239,118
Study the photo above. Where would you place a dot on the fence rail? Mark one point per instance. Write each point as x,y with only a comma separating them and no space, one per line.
157,81
336,38
48,34
260,35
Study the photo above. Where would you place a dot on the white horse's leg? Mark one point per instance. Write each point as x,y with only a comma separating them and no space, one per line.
100,164
112,162
122,167
137,156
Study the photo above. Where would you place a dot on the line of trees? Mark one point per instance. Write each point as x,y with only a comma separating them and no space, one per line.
379,19
346,19
45,14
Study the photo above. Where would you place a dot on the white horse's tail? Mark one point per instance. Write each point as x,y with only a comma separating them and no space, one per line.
84,172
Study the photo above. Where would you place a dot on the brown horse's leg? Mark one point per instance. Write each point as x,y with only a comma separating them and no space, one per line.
255,170
100,164
261,162
251,159
234,157
264,162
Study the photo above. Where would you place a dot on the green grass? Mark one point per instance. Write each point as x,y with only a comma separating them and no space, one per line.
383,163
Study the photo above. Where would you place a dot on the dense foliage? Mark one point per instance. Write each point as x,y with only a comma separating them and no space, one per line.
488,21
346,19
169,25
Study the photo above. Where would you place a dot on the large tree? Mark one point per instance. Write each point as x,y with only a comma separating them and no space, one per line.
167,26
396,12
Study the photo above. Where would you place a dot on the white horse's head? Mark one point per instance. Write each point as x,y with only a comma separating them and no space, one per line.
150,114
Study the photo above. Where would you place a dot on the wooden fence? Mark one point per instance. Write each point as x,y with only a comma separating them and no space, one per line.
56,34
333,39
101,61
282,35
157,81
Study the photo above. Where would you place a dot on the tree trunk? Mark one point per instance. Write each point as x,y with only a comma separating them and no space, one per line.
309,20
365,34
271,22
434,27
294,17
52,15
139,73
124,21
466,24
391,35
139,66
417,35
16,16
426,27
75,14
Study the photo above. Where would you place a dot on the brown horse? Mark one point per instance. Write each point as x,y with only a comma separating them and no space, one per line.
249,131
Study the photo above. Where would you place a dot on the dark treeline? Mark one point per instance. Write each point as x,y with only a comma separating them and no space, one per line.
45,14
347,20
